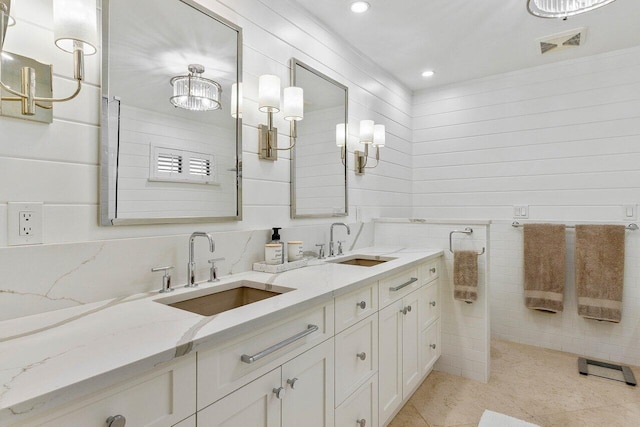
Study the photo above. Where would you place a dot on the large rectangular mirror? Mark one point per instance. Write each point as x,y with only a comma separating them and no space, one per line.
318,169
171,127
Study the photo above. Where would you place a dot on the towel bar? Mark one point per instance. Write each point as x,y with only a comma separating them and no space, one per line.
630,227
467,230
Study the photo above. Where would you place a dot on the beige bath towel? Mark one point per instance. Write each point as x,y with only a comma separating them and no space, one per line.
544,266
465,275
600,271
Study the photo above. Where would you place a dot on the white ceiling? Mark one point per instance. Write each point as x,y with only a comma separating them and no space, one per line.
466,39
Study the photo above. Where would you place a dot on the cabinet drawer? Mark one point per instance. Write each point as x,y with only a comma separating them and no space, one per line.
429,271
430,348
355,306
221,369
356,356
429,304
362,405
394,288
158,399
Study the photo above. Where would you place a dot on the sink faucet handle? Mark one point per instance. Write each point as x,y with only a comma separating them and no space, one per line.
321,250
340,242
213,271
166,279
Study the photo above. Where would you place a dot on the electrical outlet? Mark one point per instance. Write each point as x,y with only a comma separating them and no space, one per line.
521,211
629,212
24,223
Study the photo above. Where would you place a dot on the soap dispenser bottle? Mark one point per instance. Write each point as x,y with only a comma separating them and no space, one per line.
275,238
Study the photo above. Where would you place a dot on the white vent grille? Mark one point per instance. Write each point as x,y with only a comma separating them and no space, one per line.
199,166
562,41
176,165
169,163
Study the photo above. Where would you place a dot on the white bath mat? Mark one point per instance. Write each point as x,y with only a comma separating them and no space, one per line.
494,419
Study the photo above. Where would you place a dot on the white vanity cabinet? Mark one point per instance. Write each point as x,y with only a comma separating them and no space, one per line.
299,393
409,336
161,398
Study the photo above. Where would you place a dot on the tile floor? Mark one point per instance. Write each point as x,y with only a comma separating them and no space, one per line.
534,384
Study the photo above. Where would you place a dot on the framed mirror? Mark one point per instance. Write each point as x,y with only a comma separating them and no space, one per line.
171,140
318,166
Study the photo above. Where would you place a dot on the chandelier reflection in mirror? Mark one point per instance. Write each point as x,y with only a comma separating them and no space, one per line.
370,134
27,80
194,92
563,8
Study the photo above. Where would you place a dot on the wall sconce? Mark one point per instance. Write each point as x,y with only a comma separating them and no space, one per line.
269,102
342,130
75,31
194,92
236,94
370,134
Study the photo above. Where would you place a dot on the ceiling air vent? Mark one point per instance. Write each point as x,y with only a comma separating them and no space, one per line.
562,41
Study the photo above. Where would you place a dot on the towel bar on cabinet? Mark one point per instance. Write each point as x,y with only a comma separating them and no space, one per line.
467,230
630,227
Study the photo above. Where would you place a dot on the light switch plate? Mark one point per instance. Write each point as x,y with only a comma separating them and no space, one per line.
521,211
630,212
24,223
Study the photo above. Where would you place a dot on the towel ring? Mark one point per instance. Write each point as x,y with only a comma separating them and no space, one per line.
467,230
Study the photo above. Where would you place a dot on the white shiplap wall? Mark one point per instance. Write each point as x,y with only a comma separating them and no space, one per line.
561,138
58,164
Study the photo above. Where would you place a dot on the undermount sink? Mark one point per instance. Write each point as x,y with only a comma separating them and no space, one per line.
211,301
362,260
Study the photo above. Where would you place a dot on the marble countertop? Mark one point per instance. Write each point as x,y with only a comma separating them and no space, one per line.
52,358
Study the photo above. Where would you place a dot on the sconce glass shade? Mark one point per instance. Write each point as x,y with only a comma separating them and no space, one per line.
236,107
366,131
75,26
379,136
293,103
269,93
563,8
195,93
341,134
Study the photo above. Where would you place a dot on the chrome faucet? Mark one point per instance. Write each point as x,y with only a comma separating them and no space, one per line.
191,267
331,250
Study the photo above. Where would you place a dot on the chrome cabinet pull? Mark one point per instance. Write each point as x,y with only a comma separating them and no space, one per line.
433,346
292,383
406,310
433,303
361,423
279,392
361,356
433,270
116,421
362,304
404,285
250,359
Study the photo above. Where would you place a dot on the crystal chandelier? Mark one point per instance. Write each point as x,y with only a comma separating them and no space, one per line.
563,8
194,92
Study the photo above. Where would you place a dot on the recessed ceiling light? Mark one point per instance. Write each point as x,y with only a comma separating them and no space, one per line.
428,73
360,6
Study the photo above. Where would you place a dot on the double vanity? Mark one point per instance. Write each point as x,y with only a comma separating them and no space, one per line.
341,342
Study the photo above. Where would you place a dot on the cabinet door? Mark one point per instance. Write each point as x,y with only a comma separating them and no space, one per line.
255,404
308,380
390,360
410,360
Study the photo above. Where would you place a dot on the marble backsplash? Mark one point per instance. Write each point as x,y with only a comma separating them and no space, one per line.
42,278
